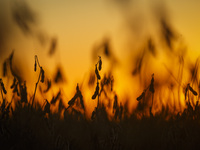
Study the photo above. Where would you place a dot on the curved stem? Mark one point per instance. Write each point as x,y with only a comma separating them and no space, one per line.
36,87
36,58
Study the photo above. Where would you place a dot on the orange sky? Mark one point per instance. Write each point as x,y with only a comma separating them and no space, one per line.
79,25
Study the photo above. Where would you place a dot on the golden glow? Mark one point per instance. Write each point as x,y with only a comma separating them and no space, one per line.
80,26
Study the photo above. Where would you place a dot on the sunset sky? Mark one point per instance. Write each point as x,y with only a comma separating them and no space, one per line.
80,26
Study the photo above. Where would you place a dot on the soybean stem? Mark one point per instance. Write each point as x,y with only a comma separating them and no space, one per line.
36,87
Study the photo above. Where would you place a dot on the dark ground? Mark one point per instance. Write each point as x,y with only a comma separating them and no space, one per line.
35,128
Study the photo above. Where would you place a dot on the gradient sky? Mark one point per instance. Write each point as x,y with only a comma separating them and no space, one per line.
80,25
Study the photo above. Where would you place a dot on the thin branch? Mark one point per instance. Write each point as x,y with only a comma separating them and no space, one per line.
36,87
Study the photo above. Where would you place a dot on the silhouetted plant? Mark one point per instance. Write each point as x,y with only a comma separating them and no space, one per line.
48,82
117,109
187,89
55,99
40,77
53,46
5,106
105,134
79,95
59,76
2,88
5,109
152,90
97,69
6,63
96,91
167,32
23,91
47,107
138,62
141,96
115,104
60,106
14,86
106,81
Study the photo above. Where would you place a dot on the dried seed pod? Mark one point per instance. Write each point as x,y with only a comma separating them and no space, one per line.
94,95
81,101
13,84
4,90
97,87
72,101
15,90
112,80
7,110
58,95
3,87
107,49
42,75
115,105
4,68
151,47
48,86
23,91
60,106
12,110
59,76
53,46
54,100
77,88
141,96
47,107
97,73
35,65
100,63
186,90
151,89
11,56
116,113
150,111
94,114
3,105
192,90
96,91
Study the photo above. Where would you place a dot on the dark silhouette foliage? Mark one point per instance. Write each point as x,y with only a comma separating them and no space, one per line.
56,98
53,46
2,86
27,126
96,91
59,76
48,82
77,95
141,96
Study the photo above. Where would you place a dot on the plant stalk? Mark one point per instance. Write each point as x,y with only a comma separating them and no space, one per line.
36,88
